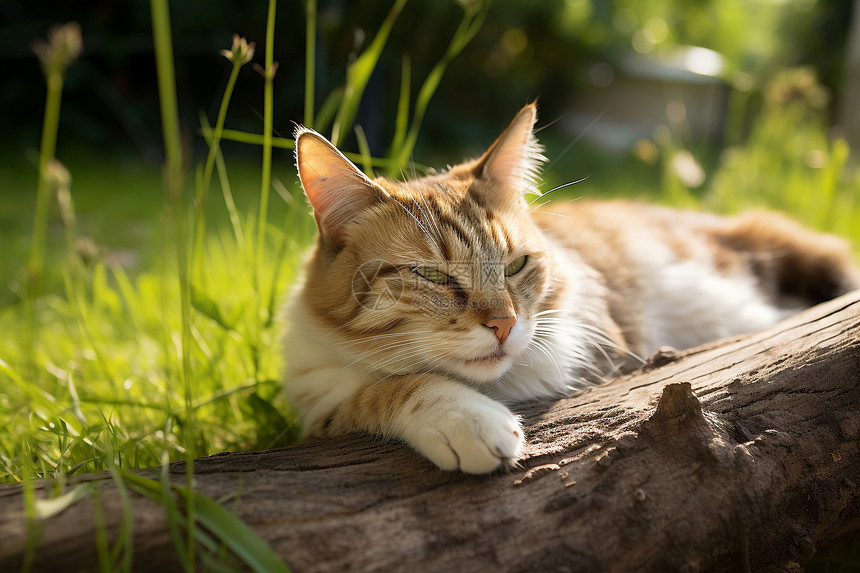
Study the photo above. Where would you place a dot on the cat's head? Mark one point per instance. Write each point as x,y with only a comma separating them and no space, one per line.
444,273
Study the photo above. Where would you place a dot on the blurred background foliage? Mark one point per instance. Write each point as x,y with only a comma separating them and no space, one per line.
554,50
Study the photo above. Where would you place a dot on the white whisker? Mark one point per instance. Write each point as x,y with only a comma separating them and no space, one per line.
568,184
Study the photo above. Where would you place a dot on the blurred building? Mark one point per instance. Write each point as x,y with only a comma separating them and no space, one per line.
683,91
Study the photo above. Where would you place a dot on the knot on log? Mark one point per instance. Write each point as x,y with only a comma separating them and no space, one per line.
677,404
680,424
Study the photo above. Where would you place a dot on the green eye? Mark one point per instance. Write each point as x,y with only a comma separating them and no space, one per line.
432,275
516,266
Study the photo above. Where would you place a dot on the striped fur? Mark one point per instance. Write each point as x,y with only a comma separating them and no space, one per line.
374,345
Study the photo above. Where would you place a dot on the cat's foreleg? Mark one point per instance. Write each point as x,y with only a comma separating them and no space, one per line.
457,427
451,424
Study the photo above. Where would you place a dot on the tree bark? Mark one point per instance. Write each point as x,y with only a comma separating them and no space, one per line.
740,456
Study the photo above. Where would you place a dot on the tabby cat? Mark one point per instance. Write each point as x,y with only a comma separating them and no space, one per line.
428,305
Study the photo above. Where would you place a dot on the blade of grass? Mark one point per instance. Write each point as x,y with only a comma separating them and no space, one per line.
167,96
208,307
358,74
310,59
166,499
236,535
268,114
173,180
831,179
328,109
226,527
125,539
63,46
401,123
50,126
473,18
76,400
214,146
286,143
290,223
28,491
240,54
102,544
253,138
266,179
227,192
224,181
364,151
46,508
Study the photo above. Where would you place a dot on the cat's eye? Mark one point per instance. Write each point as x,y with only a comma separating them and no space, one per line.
432,275
516,266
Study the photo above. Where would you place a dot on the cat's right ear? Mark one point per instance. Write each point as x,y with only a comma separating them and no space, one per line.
335,187
513,161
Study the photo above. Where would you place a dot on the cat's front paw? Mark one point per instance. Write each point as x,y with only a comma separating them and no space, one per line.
475,436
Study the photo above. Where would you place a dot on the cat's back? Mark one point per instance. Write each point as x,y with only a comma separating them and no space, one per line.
597,224
625,240
671,277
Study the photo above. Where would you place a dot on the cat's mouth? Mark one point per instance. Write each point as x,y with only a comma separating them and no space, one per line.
486,363
484,368
488,359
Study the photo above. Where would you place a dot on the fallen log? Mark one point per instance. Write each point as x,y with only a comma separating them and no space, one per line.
740,456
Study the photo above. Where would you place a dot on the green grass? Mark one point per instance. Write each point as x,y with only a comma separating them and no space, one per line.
109,334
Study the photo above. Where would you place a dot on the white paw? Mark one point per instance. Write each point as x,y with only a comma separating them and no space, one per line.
475,435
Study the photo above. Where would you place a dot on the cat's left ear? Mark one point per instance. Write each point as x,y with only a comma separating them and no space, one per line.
337,190
514,159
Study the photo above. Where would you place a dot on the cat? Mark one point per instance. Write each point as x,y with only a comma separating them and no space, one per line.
428,305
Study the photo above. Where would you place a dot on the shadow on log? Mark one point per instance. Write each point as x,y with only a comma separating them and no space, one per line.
743,455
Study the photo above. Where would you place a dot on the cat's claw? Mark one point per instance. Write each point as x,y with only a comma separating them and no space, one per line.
475,438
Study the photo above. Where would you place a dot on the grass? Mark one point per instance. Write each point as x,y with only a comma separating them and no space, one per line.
140,327
111,322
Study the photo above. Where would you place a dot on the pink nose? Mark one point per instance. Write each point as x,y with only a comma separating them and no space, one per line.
502,326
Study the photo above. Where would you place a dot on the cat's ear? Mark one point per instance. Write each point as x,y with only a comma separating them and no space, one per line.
514,159
335,187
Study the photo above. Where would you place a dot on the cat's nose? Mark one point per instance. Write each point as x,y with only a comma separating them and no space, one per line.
502,326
